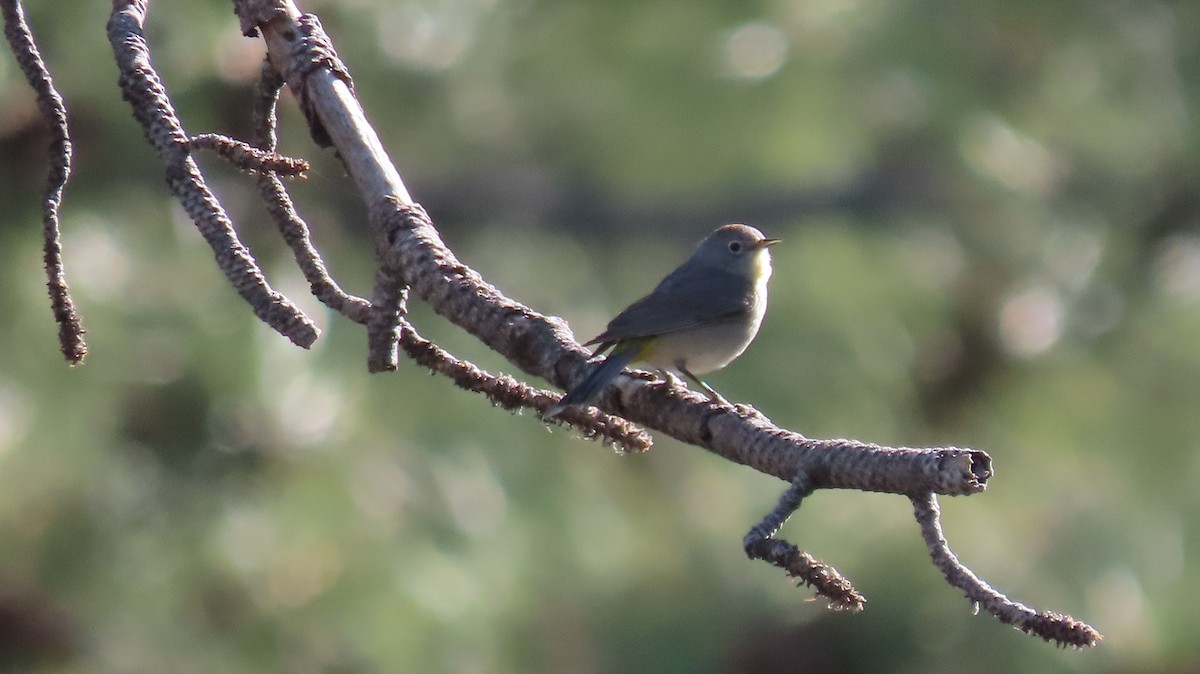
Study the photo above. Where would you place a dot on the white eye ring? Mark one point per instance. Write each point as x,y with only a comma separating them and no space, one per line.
735,246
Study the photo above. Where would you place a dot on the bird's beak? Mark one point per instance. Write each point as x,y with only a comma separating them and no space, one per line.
766,243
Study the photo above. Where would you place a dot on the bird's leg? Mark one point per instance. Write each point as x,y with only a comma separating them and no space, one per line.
712,393
669,376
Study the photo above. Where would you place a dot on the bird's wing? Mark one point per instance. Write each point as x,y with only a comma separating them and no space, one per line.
681,302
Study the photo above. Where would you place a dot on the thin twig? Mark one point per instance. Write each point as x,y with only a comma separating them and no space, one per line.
50,105
761,543
513,395
247,157
1062,629
283,211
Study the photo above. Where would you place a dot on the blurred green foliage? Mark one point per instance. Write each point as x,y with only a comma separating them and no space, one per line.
992,238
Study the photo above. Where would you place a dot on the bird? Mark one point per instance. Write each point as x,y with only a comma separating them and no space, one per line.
698,319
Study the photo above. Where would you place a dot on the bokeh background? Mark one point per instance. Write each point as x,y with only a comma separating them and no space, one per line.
992,238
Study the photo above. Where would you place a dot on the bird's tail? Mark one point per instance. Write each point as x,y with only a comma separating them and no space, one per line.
601,375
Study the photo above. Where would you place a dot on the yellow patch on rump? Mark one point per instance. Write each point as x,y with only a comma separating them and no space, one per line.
646,348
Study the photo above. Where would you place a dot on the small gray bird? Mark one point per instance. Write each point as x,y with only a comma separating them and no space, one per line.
697,320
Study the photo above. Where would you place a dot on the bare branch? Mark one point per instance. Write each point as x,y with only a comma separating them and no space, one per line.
143,89
411,255
52,109
1062,629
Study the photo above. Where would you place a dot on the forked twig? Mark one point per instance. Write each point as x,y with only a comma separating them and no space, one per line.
411,256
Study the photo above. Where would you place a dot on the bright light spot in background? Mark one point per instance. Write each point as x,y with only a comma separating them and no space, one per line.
441,584
285,575
824,28
301,573
993,148
238,58
433,38
1031,322
307,406
246,538
380,488
753,51
307,409
1177,268
16,414
1072,253
96,258
473,492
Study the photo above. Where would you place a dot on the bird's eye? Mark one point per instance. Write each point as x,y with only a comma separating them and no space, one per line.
735,246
